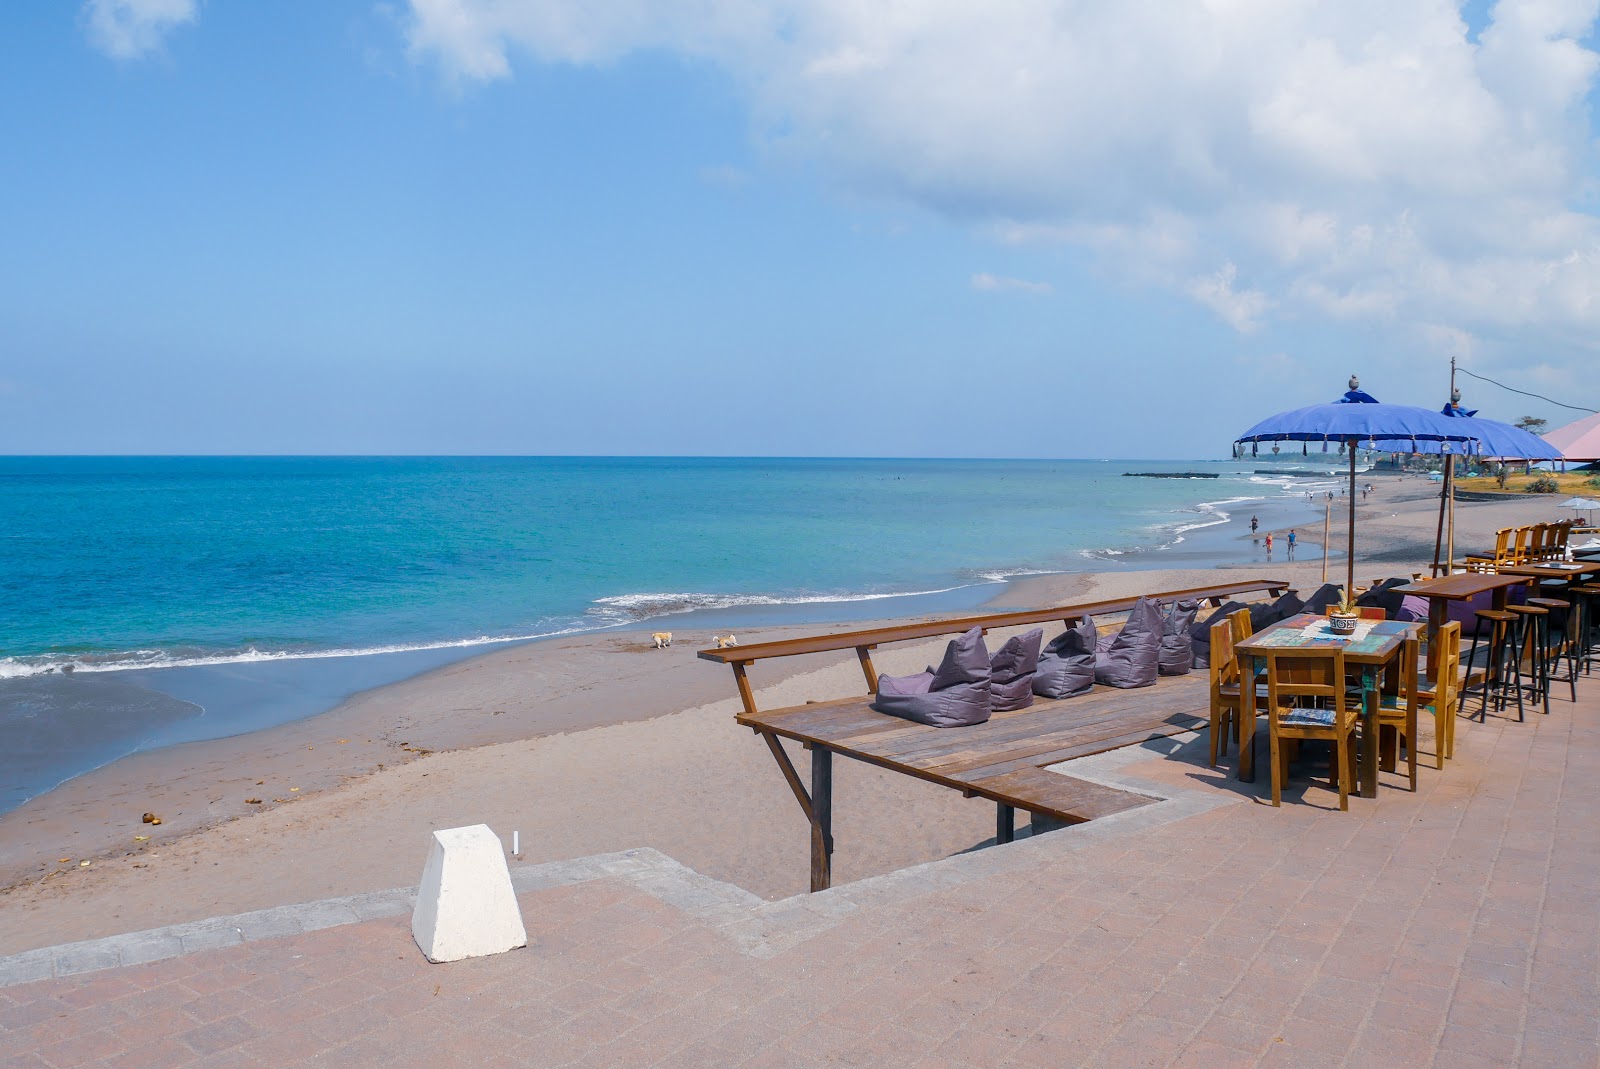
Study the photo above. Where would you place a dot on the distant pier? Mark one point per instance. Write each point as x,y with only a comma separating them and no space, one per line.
1170,474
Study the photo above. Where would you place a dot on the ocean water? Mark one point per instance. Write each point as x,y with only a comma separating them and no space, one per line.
147,602
111,563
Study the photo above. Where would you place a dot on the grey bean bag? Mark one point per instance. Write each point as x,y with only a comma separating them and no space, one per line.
1262,614
1200,631
952,695
1132,658
1067,665
1011,672
1177,655
1326,595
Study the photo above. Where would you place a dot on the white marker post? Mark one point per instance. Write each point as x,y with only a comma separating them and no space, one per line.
466,907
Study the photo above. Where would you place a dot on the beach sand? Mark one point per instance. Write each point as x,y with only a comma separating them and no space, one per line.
583,745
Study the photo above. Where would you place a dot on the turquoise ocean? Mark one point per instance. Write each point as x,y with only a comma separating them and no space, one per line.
129,568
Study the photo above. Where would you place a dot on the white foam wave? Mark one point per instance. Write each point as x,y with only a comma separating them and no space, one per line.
629,608
1005,575
132,660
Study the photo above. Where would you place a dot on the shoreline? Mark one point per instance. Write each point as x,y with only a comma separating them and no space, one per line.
137,710
513,737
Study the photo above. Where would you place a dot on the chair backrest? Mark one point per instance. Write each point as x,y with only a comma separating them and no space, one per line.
1243,626
1449,669
1407,670
1224,661
1519,550
1563,533
1541,541
1317,674
1502,554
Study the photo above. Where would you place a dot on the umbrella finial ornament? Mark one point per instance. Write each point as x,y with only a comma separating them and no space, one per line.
1355,383
1455,396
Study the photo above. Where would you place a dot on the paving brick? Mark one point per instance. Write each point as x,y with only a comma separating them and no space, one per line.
1239,936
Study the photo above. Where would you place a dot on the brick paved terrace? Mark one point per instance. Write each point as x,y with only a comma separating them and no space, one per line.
1457,928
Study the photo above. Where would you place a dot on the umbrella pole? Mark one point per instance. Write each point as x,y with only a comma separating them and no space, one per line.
1350,560
1438,536
1327,510
1449,562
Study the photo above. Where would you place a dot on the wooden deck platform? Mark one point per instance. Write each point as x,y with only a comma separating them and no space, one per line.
1002,760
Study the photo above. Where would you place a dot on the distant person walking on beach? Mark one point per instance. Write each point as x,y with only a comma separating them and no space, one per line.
1269,545
1291,543
1254,523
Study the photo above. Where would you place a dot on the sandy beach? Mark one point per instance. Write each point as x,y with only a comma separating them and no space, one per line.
582,745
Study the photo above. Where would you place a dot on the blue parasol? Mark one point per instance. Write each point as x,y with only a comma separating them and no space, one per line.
1358,419
1495,439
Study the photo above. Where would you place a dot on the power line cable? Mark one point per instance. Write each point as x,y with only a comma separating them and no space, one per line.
1525,393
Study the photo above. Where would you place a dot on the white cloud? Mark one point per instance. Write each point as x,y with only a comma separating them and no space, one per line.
1363,160
1240,309
995,283
128,29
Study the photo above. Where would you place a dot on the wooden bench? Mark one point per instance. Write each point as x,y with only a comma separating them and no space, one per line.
1002,760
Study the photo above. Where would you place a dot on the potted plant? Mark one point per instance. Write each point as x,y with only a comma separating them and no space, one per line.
1342,617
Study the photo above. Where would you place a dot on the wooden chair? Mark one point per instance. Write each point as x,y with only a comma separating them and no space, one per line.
1501,554
1398,711
1224,687
1519,546
1439,698
1541,542
1243,626
1563,536
1306,700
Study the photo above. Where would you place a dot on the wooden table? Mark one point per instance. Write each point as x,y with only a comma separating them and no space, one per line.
1376,647
1462,587
1566,571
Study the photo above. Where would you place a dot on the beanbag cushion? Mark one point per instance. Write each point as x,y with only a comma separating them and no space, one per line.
1011,672
954,694
1412,610
1176,656
1326,595
1131,660
1200,632
1286,606
1384,596
1067,665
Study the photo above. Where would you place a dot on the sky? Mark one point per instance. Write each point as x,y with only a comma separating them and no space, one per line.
760,227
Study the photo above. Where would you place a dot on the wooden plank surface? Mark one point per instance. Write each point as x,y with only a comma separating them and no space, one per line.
1066,798
993,757
1457,587
848,640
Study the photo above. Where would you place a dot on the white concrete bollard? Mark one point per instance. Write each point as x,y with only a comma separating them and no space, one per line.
465,906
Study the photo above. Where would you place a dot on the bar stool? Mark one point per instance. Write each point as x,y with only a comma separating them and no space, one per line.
1533,640
1560,641
1587,598
1501,625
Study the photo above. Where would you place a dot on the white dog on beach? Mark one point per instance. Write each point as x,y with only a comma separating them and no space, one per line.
724,643
662,639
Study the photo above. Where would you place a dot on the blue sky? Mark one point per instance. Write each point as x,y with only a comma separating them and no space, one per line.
457,226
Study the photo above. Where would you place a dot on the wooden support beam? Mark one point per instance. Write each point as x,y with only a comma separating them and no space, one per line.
1005,823
746,695
822,818
787,768
865,654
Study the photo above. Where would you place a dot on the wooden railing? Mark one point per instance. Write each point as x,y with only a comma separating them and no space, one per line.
864,642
